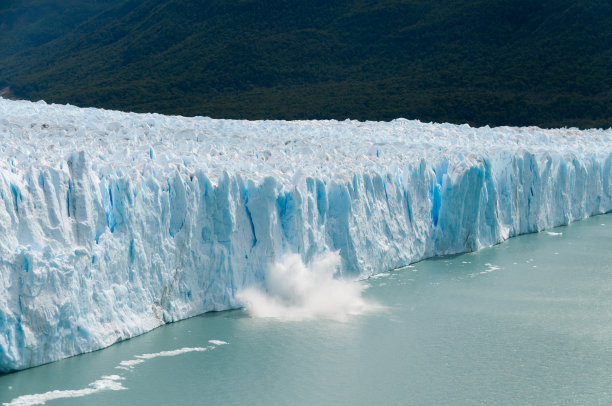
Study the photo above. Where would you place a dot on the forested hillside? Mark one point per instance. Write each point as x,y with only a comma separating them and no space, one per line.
494,62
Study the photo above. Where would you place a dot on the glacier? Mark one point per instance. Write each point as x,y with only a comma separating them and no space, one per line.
112,224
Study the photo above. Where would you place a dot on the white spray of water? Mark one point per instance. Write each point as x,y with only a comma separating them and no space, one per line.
295,291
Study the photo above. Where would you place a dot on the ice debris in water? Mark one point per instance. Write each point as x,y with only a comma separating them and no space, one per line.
112,223
111,382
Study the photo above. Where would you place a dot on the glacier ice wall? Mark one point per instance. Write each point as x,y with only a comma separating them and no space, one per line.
112,224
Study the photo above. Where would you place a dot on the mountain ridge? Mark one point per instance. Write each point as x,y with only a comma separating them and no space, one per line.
480,62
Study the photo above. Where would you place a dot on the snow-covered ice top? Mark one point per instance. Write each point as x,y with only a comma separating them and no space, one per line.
46,135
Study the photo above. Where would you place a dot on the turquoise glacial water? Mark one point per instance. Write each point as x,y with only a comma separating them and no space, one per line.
527,322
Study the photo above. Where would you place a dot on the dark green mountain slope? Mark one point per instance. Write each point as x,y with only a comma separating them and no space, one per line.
495,62
25,24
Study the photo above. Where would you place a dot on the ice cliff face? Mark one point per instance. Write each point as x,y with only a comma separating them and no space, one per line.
112,224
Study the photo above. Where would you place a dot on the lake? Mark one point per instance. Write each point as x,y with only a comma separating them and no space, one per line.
528,321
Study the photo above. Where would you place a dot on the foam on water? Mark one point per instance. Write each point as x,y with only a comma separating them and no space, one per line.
490,268
171,353
296,291
111,382
129,364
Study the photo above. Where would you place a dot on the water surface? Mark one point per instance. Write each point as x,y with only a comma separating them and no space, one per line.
525,322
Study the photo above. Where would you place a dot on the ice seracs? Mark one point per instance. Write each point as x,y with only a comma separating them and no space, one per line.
112,224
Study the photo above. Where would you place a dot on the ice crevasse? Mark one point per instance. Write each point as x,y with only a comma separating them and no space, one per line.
112,224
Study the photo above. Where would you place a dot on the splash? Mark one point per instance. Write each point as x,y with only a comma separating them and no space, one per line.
295,291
